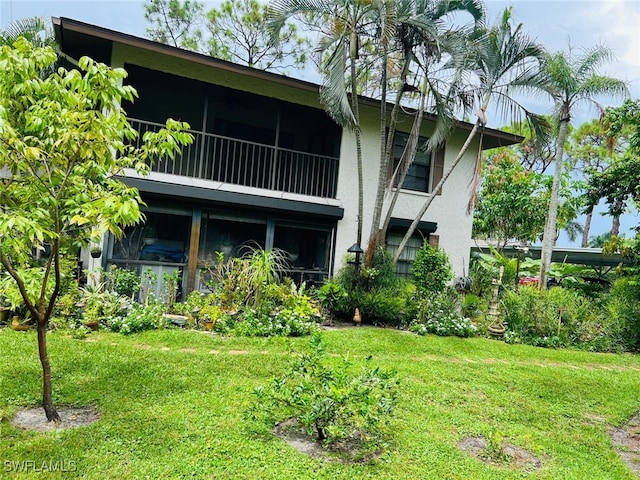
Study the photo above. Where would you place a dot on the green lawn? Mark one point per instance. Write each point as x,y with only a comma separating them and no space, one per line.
172,406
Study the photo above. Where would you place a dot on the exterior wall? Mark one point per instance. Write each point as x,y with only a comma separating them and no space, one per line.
448,209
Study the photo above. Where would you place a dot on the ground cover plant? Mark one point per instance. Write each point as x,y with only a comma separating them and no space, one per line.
172,405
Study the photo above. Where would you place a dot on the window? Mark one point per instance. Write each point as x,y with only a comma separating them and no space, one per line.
418,175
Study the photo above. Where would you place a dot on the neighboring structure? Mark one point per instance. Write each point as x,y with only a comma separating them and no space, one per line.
267,165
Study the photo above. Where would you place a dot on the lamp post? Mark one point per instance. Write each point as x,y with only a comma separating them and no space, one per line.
357,249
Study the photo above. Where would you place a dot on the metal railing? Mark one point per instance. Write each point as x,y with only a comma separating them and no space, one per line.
239,162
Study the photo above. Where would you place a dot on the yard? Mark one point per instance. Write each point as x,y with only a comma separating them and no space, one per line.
172,403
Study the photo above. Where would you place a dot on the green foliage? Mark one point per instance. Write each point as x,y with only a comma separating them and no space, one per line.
618,184
122,281
381,296
139,318
622,308
238,35
431,270
512,202
562,317
441,314
332,403
175,22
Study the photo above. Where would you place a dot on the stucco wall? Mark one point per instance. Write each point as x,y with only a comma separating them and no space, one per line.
448,210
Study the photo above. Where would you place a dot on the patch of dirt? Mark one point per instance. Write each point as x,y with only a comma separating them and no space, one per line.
36,420
187,350
143,346
626,441
511,456
294,435
238,352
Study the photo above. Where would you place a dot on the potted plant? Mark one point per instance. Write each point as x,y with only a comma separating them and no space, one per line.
96,251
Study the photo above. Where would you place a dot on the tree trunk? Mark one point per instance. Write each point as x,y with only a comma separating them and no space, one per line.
550,229
585,232
427,203
615,222
358,133
47,390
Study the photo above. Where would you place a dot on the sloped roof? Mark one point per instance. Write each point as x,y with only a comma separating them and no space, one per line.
76,38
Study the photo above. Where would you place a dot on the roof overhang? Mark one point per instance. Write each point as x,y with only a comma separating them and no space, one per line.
75,37
576,256
221,198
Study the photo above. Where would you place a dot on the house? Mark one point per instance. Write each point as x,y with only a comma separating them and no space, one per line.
267,165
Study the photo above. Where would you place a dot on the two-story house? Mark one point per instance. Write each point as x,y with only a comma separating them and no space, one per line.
267,165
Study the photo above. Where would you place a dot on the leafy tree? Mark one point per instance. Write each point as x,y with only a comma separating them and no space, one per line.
512,202
570,80
504,58
61,146
175,23
591,150
620,183
238,35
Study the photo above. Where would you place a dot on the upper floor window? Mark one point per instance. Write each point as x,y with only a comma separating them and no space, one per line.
419,172
427,168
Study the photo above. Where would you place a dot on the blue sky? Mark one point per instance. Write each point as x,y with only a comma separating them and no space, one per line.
555,24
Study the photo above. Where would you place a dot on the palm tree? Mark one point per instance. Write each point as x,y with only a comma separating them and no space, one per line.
34,29
345,27
504,58
570,80
424,41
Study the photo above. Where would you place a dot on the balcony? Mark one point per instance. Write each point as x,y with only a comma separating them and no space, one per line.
239,162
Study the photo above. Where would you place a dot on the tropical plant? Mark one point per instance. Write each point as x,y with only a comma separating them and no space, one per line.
331,403
504,59
34,29
512,202
63,150
431,270
569,80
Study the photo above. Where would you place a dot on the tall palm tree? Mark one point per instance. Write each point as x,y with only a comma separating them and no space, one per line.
345,26
504,58
570,80
422,43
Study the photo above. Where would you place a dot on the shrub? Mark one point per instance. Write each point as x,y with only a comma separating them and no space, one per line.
441,315
140,318
331,403
431,270
622,310
559,317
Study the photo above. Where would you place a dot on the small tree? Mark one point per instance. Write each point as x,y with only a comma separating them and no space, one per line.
63,140
431,270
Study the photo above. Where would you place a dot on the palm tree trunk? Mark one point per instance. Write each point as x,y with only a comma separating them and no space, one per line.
358,133
438,189
585,232
550,230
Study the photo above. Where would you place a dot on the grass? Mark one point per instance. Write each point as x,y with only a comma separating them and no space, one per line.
172,406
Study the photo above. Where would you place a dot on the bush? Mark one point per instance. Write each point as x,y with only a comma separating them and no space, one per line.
558,317
431,270
140,318
331,403
622,311
441,315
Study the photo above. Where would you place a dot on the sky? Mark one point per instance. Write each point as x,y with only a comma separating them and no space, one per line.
556,24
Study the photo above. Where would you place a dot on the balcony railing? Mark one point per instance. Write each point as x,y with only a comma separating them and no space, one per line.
229,160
